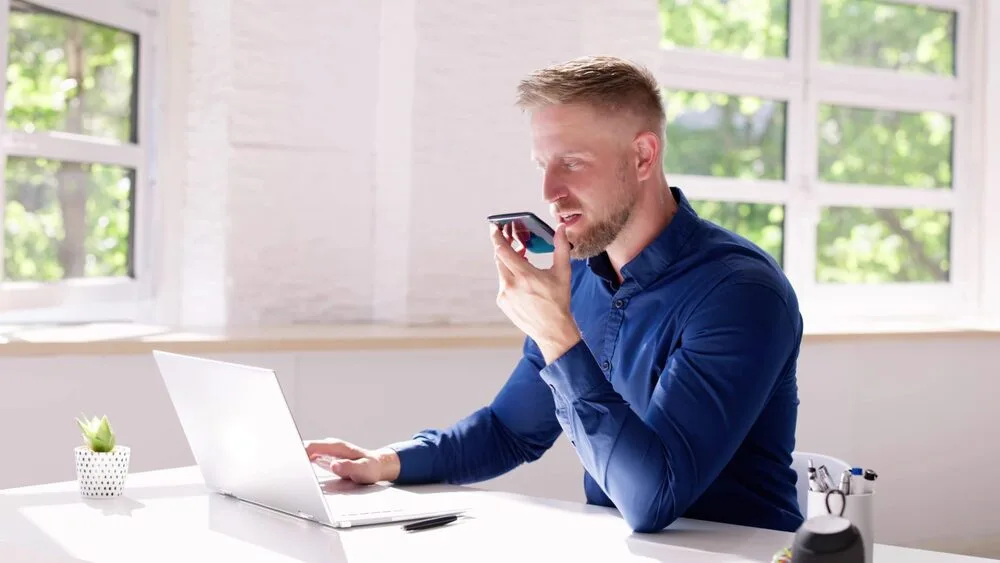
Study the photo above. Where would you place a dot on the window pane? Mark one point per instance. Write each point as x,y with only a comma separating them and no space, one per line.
750,28
888,35
865,245
66,220
714,134
762,223
70,75
868,146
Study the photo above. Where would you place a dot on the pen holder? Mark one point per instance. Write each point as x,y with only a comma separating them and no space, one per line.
859,509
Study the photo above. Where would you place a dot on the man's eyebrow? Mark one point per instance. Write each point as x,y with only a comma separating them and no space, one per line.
563,156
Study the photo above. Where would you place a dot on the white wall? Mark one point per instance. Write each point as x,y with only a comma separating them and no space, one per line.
343,171
919,409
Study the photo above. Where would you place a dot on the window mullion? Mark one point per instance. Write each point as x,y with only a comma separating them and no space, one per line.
69,147
971,154
144,198
4,11
989,237
801,211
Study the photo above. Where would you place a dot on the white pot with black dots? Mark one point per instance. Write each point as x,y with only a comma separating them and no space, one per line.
101,464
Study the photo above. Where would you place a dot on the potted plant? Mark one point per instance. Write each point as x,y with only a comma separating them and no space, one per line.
101,464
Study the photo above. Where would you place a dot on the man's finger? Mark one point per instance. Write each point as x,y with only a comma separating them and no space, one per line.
504,273
514,262
333,449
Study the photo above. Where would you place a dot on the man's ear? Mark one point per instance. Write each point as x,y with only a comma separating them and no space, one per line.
647,151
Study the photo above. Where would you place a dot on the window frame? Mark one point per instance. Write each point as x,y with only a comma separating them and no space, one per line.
803,83
93,298
989,251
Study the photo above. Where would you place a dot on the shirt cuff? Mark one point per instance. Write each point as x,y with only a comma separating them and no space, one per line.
416,461
575,374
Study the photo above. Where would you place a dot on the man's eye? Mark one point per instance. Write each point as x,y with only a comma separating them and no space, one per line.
573,165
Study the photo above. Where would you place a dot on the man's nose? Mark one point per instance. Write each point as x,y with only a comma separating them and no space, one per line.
553,189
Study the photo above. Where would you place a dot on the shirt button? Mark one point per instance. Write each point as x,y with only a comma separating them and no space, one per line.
619,303
606,365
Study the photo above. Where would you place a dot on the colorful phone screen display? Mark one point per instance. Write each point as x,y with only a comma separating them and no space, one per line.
532,241
528,230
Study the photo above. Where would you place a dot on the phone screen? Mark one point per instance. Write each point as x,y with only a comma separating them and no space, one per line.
533,233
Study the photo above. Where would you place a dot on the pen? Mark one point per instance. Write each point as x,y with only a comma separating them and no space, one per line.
429,523
870,477
814,485
857,484
845,482
823,474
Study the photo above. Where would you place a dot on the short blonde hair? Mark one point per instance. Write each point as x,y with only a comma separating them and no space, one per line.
609,84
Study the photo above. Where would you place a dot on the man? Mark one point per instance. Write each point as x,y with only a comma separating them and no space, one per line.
663,345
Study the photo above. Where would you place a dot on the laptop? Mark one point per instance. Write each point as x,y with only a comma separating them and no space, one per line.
247,446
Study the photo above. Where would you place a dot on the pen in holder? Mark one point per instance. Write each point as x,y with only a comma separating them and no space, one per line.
857,508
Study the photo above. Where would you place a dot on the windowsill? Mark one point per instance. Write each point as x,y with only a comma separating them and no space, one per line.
126,338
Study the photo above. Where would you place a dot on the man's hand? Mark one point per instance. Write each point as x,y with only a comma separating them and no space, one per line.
348,461
537,300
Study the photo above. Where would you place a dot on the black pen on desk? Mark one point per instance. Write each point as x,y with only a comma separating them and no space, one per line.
430,523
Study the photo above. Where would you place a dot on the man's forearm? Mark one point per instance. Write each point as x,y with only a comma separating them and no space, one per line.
517,427
475,449
626,457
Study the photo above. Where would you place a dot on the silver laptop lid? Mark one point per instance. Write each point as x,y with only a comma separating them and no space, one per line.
242,434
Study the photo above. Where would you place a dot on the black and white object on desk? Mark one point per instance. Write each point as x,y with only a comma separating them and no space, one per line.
828,538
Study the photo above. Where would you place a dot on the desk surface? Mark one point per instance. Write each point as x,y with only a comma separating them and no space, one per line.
169,516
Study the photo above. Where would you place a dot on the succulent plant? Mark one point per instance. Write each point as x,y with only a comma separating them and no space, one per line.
98,433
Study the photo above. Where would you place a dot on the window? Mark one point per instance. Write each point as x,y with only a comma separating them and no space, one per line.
75,159
836,135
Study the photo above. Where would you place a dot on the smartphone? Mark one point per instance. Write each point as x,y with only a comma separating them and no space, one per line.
536,235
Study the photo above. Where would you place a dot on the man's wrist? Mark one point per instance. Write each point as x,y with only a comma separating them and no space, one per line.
388,461
554,346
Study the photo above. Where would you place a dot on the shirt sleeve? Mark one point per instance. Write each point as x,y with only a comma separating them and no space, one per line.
654,465
517,427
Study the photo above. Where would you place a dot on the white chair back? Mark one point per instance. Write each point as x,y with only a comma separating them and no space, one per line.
800,463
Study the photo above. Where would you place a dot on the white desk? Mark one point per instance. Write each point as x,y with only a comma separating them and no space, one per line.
170,516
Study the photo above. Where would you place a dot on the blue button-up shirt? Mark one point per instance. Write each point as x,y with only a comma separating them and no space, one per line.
680,399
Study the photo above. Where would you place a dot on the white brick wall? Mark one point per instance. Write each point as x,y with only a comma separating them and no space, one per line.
342,156
206,48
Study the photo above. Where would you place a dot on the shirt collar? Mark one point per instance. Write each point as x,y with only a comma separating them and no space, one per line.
654,260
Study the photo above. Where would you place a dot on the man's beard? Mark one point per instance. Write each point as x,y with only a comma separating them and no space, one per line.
601,234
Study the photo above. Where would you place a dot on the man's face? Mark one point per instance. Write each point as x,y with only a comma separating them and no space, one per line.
587,178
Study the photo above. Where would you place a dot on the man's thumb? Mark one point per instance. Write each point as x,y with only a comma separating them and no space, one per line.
560,257
346,468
